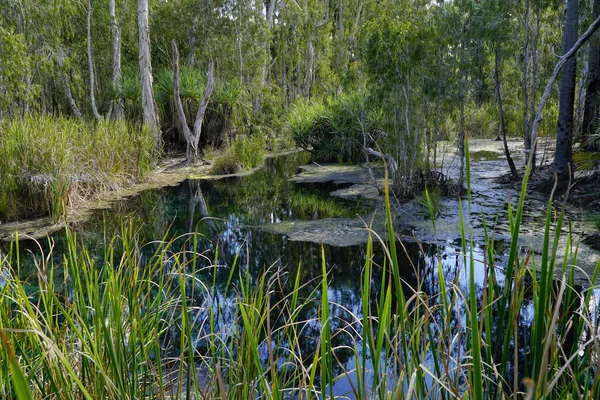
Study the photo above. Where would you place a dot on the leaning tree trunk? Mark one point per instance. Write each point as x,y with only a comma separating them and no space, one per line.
564,139
511,163
192,137
148,104
67,84
90,56
559,65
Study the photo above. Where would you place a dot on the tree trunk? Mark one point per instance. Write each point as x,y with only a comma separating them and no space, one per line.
524,82
564,139
67,84
559,65
149,107
511,164
115,33
590,110
192,138
90,56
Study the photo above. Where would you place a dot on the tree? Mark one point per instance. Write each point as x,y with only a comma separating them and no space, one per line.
90,56
115,33
563,155
590,108
150,110
192,137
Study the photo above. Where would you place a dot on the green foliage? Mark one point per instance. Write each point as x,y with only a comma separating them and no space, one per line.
243,153
482,121
47,162
335,130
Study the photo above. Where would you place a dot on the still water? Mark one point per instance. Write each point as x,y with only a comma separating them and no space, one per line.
229,219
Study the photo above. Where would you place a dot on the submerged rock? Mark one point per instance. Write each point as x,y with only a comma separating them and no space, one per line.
339,232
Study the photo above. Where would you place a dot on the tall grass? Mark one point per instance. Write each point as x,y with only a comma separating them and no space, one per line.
46,162
141,322
242,153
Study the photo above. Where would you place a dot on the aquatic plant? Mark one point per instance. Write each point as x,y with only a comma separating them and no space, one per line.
127,325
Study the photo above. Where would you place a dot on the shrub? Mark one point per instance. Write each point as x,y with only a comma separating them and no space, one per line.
245,152
333,130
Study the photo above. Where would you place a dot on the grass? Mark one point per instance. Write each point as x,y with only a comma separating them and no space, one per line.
243,153
47,162
112,326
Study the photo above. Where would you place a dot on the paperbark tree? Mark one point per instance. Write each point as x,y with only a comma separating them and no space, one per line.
192,137
563,155
90,56
115,33
150,110
557,68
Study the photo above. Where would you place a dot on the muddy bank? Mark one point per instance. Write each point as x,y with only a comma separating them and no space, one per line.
170,172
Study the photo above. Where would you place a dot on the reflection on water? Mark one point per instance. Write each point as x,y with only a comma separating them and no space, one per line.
225,215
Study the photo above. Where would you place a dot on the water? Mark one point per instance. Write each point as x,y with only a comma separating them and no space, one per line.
231,217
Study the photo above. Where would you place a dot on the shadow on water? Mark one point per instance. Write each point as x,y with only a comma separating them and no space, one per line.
224,216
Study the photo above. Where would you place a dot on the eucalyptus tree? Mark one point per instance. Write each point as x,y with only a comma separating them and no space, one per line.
116,23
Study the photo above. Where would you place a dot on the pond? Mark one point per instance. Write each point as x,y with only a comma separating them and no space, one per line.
247,226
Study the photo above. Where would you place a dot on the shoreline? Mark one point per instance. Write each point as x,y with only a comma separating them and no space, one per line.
171,171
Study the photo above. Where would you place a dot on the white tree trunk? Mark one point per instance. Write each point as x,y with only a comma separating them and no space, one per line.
115,33
69,94
90,56
148,104
192,138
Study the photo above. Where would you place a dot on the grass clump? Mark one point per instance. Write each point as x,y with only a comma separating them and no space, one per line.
48,162
336,129
243,153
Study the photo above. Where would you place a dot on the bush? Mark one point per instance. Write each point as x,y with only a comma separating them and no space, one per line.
333,130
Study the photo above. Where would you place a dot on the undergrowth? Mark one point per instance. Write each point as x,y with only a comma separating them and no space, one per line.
47,162
243,153
336,129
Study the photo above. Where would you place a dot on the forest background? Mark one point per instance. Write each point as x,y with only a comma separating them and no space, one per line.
91,99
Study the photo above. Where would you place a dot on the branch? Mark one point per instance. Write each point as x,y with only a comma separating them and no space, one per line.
390,159
204,104
178,106
563,59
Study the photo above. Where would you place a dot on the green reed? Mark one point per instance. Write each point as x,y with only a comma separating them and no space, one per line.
49,162
145,322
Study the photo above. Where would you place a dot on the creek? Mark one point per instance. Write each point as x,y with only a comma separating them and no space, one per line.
276,219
